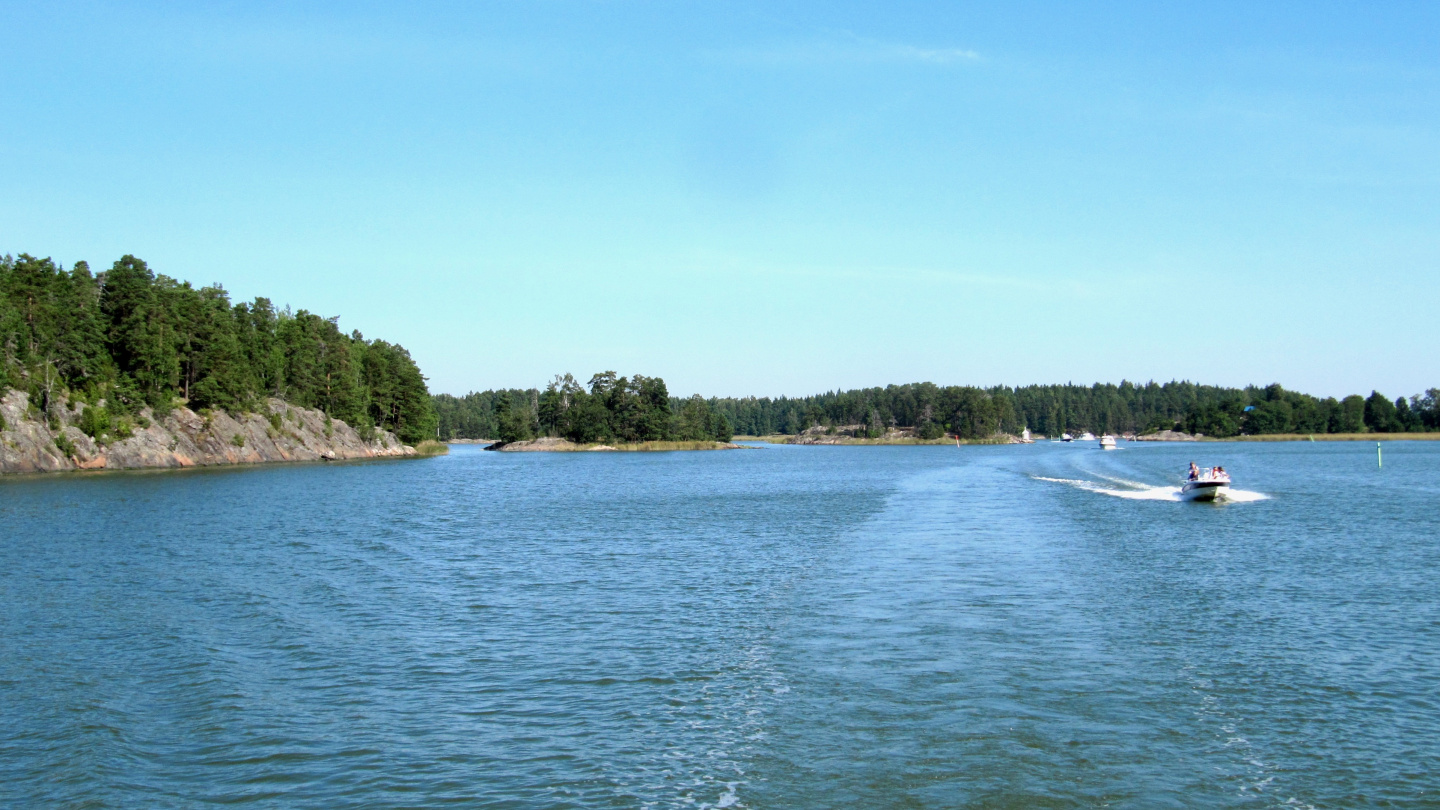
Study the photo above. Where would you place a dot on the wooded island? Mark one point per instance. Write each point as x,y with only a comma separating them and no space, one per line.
111,345
627,410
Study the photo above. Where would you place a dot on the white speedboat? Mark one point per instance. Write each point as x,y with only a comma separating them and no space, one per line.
1087,436
1211,485
1107,442
1066,437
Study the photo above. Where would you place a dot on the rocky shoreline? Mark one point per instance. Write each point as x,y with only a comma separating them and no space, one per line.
1170,436
180,438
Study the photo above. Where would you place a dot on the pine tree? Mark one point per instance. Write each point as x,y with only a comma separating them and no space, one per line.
139,334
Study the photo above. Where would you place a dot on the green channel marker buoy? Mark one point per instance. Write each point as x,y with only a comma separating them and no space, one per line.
1379,459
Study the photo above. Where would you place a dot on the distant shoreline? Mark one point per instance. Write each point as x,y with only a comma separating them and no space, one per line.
1331,437
851,441
782,438
910,441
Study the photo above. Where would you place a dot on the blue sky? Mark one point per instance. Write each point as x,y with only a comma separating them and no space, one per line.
763,198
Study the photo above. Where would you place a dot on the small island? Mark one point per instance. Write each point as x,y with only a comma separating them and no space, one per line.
610,413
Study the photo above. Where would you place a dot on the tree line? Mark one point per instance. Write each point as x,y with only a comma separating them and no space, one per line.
129,338
971,413
609,408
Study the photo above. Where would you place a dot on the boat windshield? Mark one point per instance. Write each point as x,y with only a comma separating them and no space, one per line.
1207,474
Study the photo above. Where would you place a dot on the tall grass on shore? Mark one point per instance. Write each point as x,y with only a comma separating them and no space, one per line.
847,441
1332,437
430,447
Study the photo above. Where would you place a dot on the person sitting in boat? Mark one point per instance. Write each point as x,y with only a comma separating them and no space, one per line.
1220,473
1194,472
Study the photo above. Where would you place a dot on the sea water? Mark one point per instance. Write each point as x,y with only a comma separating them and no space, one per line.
875,627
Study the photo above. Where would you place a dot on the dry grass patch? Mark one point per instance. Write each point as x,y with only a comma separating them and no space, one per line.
1332,437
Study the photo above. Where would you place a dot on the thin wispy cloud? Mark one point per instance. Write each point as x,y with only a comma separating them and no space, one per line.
938,56
845,48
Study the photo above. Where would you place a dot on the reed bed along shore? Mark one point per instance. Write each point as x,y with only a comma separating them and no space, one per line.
552,444
1264,437
650,446
1332,437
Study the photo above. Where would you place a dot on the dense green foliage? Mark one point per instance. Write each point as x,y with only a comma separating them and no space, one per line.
934,411
613,409
1054,409
134,339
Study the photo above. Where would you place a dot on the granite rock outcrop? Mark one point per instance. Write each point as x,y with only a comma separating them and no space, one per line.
52,441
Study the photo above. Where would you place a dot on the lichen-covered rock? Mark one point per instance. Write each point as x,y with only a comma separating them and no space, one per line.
181,438
87,454
542,444
26,444
1169,436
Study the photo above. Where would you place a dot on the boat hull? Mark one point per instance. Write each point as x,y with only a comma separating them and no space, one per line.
1205,491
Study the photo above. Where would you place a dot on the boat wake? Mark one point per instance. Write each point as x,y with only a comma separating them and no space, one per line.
1136,491
1245,496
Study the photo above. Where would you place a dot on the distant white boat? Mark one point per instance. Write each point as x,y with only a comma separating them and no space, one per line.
1211,485
1066,437
1087,436
1107,442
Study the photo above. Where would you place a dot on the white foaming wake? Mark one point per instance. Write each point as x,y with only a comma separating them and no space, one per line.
1123,482
1246,496
1135,491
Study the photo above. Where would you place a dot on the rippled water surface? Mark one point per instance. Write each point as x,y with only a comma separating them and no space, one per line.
872,627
